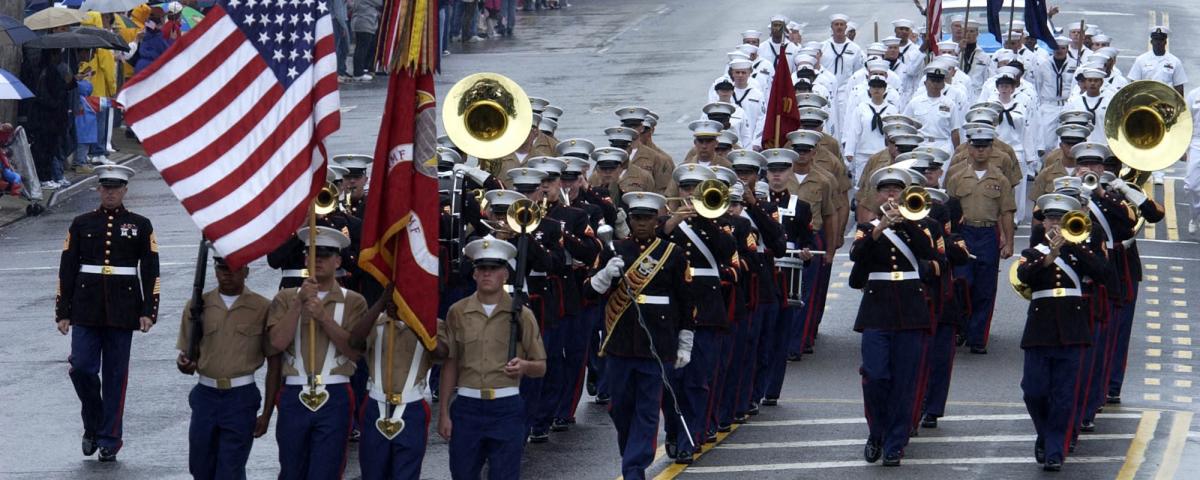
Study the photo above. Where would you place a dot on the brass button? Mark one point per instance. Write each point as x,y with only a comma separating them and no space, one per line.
108,234
108,242
108,252
106,260
110,225
110,217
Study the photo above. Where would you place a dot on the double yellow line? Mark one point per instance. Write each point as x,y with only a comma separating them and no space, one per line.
1169,464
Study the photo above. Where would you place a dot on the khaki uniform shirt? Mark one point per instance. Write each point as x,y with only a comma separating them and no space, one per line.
405,343
543,146
832,144
1004,157
983,199
235,340
833,165
1044,182
480,342
866,193
817,191
654,164
356,305
717,161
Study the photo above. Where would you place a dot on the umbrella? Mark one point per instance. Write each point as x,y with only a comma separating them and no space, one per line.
12,32
189,16
115,41
11,88
70,40
110,6
53,17
72,3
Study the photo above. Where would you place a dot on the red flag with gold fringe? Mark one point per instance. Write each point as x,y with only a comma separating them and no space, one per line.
782,115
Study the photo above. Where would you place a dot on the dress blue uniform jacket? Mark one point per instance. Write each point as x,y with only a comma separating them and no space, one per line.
117,238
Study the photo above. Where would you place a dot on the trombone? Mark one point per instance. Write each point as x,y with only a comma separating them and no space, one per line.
710,198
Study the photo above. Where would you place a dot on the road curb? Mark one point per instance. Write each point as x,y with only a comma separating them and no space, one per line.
83,184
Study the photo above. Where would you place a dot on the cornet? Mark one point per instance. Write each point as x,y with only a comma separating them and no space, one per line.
710,198
1076,226
1091,181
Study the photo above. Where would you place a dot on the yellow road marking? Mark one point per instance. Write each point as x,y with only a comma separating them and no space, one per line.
1178,303
1179,315
1183,354
1151,301
1181,399
1181,341
1151,266
1154,326
1178,291
658,454
1152,313
1151,397
675,469
1177,280
1154,366
1154,339
1175,442
1176,268
1151,289
1180,328
1151,278
1183,383
1153,352
1137,448
1183,369
1152,381
1169,200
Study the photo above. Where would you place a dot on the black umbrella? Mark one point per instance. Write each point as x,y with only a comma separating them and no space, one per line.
13,32
69,40
115,41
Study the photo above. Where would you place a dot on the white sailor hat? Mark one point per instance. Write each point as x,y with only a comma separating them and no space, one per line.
937,156
1053,203
890,41
981,136
646,203
811,100
718,109
812,114
1067,182
448,156
490,251
725,174
936,72
1013,34
551,165
804,140
1093,73
1090,152
1073,27
1101,38
876,49
727,137
705,128
1003,55
755,34
851,26
1080,117
900,118
692,173
947,46
877,81
762,189
1074,131
805,59
113,175
1107,53
621,134
937,195
745,159
795,26
552,112
990,105
334,173
632,115
890,176
1091,29
326,238
779,17
356,163
877,65
525,176
1160,30
738,54
902,23
609,155
813,44
1010,70
499,200
1062,41
894,129
444,141
575,147
736,190
574,166
839,17
780,157
740,64
1006,77
748,49
972,23
957,18
538,104
548,125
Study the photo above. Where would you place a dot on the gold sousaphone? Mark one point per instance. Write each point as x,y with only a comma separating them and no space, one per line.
487,115
1148,127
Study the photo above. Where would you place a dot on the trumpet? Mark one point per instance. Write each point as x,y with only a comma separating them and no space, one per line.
915,203
1076,226
1091,181
327,200
524,215
710,198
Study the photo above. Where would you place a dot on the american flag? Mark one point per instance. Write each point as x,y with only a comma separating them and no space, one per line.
234,114
933,26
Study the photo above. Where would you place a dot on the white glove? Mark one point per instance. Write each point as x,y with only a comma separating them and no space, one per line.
1135,197
621,228
683,355
603,278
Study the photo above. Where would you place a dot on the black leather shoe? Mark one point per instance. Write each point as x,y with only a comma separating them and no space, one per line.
892,459
1039,451
753,409
683,458
979,350
559,425
89,445
1071,446
871,451
1087,426
602,399
808,350
793,357
1052,466
671,450
724,429
770,402
929,421
539,437
355,436
960,340
710,438
107,455
741,419
1113,400
591,388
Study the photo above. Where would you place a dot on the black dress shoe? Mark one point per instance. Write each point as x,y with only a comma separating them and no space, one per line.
741,419
724,429
1039,450
683,458
539,437
355,435
1087,426
872,451
602,399
929,421
979,350
591,388
1052,466
793,357
892,459
960,339
753,409
1071,446
89,445
559,425
671,450
1113,400
107,455
808,350
770,402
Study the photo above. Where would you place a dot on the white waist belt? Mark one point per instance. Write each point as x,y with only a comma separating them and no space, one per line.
301,272
894,276
653,300
108,270
537,274
1057,293
409,396
705,272
489,393
226,383
325,380
1129,243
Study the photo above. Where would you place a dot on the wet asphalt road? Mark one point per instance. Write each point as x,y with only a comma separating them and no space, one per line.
591,59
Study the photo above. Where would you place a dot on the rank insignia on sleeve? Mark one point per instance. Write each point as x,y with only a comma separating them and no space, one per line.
67,242
153,243
775,215
859,235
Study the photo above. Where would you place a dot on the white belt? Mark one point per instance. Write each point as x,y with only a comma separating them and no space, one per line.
653,300
1129,243
705,272
537,274
1057,293
894,276
226,383
299,273
108,270
409,396
325,380
489,393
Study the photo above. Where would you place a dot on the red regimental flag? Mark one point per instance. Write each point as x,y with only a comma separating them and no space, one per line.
782,115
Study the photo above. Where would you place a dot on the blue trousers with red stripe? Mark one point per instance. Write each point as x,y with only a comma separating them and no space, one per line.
1124,328
778,346
766,317
312,445
742,367
594,316
890,364
812,290
692,385
637,391
398,458
554,381
981,274
1050,383
491,431
575,351
222,431
100,370
940,361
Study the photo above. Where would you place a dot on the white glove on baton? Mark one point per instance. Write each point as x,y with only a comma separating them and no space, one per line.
683,355
603,278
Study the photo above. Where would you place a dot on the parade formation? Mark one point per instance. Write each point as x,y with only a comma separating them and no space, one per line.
675,287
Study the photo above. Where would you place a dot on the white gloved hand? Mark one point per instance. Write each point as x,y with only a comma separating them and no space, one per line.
683,355
603,278
1135,197
621,228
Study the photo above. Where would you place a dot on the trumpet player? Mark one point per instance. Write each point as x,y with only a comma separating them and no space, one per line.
1056,334
288,258
354,183
893,259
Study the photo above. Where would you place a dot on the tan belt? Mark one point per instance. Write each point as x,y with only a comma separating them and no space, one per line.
108,270
1057,293
226,383
979,223
488,393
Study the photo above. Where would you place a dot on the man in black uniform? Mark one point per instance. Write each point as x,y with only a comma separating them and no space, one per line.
108,287
648,321
893,259
1056,330
354,183
289,257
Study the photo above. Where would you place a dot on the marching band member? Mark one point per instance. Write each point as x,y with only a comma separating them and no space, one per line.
642,151
1060,162
354,182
